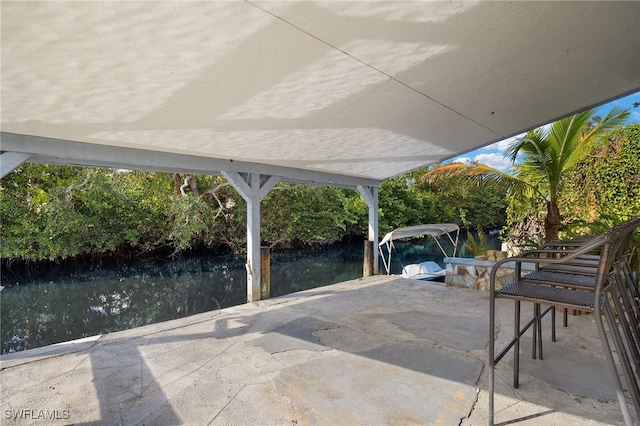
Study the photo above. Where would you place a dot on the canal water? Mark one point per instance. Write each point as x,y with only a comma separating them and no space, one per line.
38,313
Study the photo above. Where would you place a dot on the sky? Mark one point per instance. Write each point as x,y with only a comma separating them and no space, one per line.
492,155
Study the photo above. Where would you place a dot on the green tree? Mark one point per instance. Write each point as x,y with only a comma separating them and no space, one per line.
604,188
464,202
544,157
401,204
606,183
302,215
55,212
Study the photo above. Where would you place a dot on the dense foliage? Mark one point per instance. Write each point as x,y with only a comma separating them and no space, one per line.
606,184
546,155
601,190
604,189
541,160
51,213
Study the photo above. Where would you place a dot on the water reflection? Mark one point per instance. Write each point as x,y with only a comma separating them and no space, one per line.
72,307
68,308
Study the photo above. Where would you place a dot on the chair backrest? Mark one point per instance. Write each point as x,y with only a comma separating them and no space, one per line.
615,299
615,249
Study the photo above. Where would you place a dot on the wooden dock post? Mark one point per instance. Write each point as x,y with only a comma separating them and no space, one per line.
265,272
367,269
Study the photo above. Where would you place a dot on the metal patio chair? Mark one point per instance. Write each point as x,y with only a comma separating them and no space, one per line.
580,273
589,274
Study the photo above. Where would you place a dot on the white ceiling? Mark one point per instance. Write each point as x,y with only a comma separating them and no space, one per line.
347,92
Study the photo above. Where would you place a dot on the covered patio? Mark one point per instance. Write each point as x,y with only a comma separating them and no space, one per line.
325,93
344,94
380,350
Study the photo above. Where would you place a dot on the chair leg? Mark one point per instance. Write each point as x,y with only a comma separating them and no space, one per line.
553,323
627,320
492,355
539,333
516,349
537,320
613,371
536,347
628,304
632,382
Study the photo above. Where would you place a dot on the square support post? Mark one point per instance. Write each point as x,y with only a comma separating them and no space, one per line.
253,187
370,195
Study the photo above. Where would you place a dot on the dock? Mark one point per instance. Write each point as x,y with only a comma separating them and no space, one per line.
382,350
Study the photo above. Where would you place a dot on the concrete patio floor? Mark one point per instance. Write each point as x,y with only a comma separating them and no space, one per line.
375,351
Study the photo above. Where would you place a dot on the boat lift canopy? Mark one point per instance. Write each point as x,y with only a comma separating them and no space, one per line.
432,230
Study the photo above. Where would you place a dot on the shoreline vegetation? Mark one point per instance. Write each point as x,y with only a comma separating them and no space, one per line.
111,249
56,217
60,217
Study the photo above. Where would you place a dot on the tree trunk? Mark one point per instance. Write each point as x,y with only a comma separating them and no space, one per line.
552,221
193,185
177,182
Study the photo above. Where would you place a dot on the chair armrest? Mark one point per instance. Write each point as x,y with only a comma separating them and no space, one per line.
533,256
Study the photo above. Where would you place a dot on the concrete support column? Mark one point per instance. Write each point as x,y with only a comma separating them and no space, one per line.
253,187
370,195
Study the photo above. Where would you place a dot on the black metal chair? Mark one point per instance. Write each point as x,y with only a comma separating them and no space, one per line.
588,274
580,273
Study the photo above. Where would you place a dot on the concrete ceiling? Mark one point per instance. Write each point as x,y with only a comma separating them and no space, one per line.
346,93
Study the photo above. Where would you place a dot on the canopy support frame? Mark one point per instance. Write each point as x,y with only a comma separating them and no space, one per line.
370,195
432,230
253,187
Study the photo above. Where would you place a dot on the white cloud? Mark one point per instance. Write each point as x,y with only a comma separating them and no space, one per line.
463,159
503,144
497,161
495,149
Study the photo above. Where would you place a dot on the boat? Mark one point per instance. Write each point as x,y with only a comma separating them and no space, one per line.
427,270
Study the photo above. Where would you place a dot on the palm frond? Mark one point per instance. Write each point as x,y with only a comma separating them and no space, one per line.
548,152
562,142
616,117
584,140
478,173
527,145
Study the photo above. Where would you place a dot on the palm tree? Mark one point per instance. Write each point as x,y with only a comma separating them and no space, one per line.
545,155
